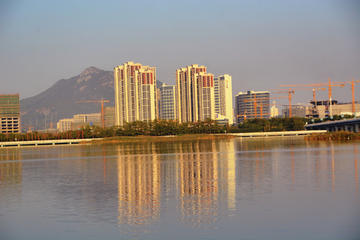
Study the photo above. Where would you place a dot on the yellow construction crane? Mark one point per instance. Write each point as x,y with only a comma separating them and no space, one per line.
102,109
352,91
242,115
289,96
329,85
259,99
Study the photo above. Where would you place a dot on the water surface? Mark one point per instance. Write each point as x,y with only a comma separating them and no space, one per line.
263,188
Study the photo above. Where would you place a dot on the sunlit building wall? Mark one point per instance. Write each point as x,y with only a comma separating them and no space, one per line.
135,93
65,124
194,94
223,97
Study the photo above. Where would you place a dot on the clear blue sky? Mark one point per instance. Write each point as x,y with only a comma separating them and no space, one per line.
259,43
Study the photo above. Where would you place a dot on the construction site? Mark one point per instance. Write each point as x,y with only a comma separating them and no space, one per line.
256,104
10,113
322,108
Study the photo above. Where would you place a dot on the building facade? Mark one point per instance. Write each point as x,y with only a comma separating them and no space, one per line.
109,116
135,93
296,111
223,98
65,124
274,111
10,113
92,117
323,108
167,102
252,105
194,94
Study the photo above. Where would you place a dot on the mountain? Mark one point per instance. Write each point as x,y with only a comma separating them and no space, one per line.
58,101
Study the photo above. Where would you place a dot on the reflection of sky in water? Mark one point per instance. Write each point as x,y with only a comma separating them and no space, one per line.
238,188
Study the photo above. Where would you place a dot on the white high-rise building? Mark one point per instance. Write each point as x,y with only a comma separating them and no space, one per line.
135,93
223,98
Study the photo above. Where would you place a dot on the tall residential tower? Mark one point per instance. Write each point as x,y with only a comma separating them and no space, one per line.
135,93
194,94
167,102
223,98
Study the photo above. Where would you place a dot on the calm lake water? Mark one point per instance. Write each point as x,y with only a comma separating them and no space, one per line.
263,188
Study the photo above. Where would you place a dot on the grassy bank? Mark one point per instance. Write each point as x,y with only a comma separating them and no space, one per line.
341,135
168,138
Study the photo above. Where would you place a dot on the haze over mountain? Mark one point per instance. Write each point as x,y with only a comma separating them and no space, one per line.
58,101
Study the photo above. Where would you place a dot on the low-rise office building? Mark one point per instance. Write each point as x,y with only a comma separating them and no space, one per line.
10,113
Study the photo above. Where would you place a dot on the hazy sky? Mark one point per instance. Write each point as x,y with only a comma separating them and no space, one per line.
259,43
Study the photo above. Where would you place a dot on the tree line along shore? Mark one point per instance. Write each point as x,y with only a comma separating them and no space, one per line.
173,130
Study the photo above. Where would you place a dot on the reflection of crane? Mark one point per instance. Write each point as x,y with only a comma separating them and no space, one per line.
102,109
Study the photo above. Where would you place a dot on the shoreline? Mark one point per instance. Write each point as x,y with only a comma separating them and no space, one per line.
341,135
167,138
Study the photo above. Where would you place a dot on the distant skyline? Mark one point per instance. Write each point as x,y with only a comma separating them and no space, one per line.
259,43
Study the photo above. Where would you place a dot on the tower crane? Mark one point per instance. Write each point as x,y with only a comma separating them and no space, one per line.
102,109
259,99
255,103
296,89
242,115
30,129
352,92
329,85
51,125
289,96
265,105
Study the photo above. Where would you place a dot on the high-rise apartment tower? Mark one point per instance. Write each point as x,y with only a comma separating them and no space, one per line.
167,102
223,98
135,93
194,94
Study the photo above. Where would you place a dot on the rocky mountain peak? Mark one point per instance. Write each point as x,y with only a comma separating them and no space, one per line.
86,74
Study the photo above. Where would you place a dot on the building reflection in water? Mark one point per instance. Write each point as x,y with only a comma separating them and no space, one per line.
254,170
206,181
189,177
138,189
356,170
10,174
199,188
